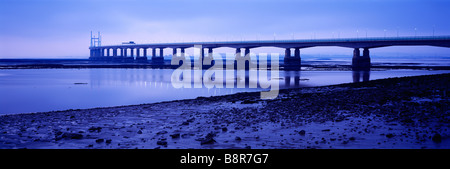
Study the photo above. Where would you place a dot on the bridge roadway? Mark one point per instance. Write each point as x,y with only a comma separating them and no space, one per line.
119,52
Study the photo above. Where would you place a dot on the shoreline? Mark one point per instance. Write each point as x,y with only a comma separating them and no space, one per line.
408,112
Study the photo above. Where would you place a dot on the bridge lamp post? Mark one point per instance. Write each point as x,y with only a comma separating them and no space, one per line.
415,32
433,29
397,32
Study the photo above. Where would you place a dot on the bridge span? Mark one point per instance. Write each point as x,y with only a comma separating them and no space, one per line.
138,52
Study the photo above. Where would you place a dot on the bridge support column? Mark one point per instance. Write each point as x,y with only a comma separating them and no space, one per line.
158,59
127,58
178,60
182,52
142,58
292,62
242,62
96,54
114,52
208,60
361,62
287,53
92,54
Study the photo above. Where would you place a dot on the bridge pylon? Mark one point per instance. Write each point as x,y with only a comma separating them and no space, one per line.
361,62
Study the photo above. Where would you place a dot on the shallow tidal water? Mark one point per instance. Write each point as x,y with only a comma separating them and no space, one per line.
41,90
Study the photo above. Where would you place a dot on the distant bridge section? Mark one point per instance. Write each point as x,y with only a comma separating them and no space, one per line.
138,52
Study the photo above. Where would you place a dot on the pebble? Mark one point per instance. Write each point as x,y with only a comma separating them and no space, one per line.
161,142
437,138
175,135
302,132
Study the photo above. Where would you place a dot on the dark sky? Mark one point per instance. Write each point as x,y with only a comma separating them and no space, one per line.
61,28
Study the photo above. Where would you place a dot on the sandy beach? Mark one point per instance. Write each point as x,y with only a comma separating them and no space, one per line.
409,112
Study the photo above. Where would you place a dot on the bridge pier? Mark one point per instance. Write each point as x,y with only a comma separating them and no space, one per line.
95,54
208,60
127,58
178,60
292,62
361,62
142,58
242,62
116,56
158,59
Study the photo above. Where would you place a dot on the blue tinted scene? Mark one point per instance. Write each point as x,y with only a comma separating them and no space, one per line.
235,74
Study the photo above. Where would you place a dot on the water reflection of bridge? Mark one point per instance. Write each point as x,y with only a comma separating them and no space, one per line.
161,78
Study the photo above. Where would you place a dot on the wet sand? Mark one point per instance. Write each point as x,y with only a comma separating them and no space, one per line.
409,112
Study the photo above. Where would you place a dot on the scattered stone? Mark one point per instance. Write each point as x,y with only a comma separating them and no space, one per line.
177,135
352,138
209,139
390,135
95,129
248,147
100,140
326,130
190,120
339,118
108,141
224,129
237,138
437,138
61,135
161,132
248,102
185,123
139,132
161,142
302,132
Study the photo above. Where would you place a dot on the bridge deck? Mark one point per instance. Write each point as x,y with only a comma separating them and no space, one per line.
373,42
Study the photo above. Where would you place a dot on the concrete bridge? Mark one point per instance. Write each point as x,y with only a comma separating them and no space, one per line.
138,52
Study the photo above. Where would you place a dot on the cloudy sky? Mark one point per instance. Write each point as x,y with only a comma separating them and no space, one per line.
61,28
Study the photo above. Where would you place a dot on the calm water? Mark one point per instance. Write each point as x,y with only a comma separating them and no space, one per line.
40,90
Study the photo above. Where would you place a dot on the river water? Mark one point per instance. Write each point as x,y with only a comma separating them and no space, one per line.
41,90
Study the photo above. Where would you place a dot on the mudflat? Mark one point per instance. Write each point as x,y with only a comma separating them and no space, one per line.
408,112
